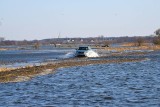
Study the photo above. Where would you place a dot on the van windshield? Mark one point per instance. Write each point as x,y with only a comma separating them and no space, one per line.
83,48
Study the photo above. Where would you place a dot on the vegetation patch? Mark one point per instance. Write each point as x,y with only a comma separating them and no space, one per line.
26,73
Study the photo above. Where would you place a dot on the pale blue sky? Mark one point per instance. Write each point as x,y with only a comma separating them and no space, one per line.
39,19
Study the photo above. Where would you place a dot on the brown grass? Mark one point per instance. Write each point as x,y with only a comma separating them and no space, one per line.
131,46
11,75
6,69
2,49
29,72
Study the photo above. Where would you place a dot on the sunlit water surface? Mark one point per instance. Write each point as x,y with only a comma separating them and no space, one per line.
132,84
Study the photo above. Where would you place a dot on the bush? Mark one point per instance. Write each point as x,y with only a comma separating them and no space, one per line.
156,40
106,44
140,41
157,32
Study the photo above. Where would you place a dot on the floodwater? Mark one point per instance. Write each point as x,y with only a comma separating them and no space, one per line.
20,58
131,84
17,58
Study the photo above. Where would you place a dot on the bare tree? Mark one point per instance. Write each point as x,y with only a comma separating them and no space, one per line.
156,40
106,43
54,43
36,45
140,41
157,32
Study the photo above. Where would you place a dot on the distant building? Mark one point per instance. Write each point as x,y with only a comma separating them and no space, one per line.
81,40
92,41
2,39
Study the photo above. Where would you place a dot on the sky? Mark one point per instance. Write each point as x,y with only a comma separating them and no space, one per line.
41,19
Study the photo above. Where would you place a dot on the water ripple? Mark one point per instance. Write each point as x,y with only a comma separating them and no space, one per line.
127,84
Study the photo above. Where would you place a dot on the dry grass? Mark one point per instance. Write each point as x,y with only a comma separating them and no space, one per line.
2,49
28,72
132,46
128,44
5,69
11,75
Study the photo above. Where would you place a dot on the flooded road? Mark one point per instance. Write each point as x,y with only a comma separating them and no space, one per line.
18,58
133,84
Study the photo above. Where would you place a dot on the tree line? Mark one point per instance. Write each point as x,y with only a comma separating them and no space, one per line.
101,41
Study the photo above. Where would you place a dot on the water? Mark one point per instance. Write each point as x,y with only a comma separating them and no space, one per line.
135,84
20,58
17,58
91,53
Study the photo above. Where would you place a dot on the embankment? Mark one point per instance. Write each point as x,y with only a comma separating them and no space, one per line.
26,73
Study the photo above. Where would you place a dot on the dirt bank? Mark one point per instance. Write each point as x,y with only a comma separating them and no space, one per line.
3,49
122,49
21,74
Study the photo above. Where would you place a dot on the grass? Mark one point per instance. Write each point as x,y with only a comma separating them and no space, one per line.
132,46
12,75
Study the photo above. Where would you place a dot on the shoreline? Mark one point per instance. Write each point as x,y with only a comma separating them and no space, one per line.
3,49
26,73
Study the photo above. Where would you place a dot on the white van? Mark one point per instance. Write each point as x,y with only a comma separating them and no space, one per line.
82,50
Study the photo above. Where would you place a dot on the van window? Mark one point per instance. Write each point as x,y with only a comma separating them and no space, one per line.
83,48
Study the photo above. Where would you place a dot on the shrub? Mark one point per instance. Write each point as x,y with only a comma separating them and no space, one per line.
140,41
156,40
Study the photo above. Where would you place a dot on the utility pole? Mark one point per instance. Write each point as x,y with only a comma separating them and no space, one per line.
59,35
